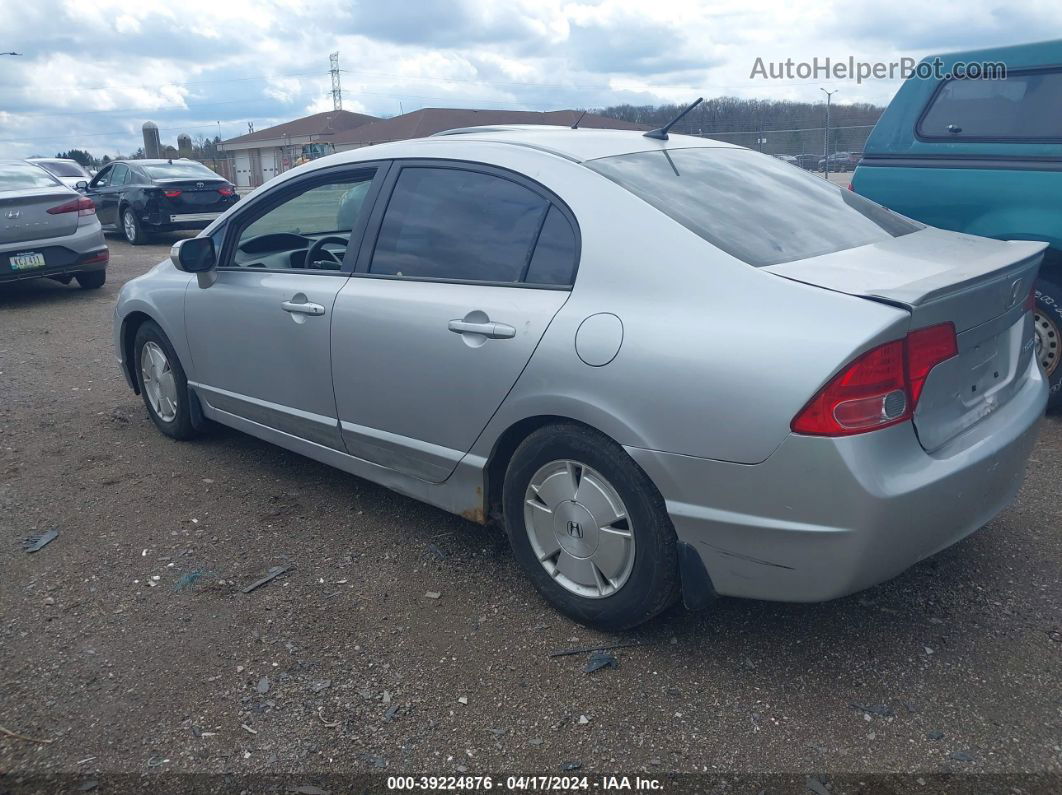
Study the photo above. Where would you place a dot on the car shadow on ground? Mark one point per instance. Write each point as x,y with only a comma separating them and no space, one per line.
38,292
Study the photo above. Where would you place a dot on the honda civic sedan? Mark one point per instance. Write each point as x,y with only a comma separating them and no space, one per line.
669,367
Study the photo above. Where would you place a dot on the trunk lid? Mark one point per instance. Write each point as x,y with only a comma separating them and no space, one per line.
24,214
197,195
979,285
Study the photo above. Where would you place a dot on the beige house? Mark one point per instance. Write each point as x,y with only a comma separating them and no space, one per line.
259,156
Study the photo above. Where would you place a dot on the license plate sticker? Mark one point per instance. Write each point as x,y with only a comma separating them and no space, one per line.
27,261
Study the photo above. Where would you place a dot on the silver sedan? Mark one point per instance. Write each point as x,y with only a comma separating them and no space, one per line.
48,229
671,367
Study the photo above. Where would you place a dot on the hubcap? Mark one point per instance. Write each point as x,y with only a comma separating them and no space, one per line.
130,225
158,383
1047,342
579,529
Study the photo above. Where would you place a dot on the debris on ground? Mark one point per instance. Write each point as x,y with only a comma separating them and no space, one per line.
961,756
263,685
432,595
40,540
585,649
391,712
571,765
881,710
23,737
816,785
271,575
600,659
935,734
188,579
436,552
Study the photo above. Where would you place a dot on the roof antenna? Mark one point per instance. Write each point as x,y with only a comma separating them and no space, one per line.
576,125
661,133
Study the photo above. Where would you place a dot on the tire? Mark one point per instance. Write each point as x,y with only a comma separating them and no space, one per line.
132,229
620,578
91,280
163,385
1048,323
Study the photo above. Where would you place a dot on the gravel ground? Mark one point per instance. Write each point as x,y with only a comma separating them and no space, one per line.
344,664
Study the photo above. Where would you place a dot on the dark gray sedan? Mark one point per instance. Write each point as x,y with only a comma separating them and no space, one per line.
48,229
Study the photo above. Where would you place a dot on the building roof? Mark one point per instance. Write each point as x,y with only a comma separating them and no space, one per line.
428,121
328,123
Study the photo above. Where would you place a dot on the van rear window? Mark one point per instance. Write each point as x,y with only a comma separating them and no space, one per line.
753,206
1021,106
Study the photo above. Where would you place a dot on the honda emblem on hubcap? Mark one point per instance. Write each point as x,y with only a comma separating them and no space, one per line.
575,530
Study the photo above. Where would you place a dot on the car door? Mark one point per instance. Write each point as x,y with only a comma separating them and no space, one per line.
102,193
259,335
466,269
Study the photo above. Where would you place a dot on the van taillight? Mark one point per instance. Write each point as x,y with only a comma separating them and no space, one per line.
879,388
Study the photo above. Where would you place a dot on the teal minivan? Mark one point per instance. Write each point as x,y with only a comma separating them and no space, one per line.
983,156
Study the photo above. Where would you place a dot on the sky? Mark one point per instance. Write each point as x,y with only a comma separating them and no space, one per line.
91,72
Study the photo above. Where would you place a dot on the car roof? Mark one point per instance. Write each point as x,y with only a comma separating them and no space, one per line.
576,145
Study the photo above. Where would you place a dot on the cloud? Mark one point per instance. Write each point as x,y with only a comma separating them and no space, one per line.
93,72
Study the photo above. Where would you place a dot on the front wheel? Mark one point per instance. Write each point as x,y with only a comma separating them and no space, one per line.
589,528
163,385
1047,321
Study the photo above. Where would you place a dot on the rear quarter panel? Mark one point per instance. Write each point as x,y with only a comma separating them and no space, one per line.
717,357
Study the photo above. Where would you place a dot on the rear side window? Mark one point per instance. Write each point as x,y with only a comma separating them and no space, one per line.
753,206
449,223
554,259
1022,106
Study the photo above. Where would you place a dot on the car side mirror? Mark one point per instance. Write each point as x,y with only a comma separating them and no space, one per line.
81,185
195,255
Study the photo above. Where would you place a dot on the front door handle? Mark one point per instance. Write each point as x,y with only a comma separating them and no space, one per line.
489,329
315,310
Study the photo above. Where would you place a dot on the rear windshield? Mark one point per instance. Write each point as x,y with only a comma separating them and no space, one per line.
189,169
16,176
753,206
62,168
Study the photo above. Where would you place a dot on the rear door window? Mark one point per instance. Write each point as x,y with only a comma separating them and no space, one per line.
458,225
753,206
1022,106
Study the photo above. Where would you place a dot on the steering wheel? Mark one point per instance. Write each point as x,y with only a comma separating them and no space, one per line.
318,248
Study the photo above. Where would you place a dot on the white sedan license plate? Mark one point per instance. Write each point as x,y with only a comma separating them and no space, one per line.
27,261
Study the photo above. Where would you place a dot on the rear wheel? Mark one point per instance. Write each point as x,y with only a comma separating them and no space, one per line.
132,228
1047,320
163,385
91,280
589,528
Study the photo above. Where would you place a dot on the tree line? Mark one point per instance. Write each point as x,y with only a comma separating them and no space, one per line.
789,127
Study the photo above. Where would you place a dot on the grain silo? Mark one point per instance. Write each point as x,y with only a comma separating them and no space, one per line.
152,143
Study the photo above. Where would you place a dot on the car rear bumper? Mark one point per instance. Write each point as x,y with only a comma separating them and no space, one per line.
822,518
62,255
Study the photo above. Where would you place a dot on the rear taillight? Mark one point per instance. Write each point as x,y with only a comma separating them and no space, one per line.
96,257
171,194
81,205
225,191
879,388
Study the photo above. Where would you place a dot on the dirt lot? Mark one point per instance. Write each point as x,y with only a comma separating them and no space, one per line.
344,665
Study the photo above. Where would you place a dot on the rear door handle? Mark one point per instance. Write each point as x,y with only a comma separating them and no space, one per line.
489,329
303,309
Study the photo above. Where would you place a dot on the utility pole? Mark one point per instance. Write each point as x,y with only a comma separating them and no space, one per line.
826,136
337,91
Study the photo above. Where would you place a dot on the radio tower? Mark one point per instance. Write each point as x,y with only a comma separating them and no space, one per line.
337,92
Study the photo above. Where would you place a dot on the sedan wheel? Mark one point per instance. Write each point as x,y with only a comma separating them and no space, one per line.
578,526
589,528
162,382
158,382
132,228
